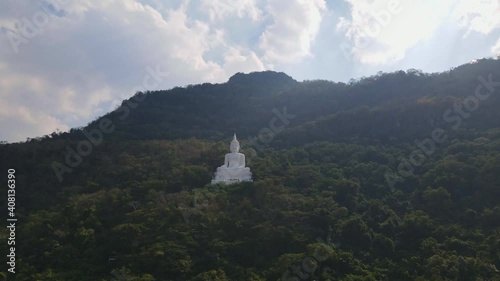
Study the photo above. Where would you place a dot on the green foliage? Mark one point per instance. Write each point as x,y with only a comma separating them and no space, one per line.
319,208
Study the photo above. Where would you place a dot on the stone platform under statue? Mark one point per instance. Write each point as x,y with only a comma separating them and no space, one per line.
233,170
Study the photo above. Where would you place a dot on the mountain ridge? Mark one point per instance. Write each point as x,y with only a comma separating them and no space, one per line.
248,105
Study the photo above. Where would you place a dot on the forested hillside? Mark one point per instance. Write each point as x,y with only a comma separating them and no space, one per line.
390,177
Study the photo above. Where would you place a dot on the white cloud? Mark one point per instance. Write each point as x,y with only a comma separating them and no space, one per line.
481,16
241,60
380,31
496,49
295,25
221,9
81,63
375,35
19,122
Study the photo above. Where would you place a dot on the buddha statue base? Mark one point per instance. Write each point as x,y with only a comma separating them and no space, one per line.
232,175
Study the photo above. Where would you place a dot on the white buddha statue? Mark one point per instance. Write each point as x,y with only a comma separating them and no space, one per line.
234,169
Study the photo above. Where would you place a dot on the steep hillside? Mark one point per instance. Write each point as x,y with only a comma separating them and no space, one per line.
245,105
392,177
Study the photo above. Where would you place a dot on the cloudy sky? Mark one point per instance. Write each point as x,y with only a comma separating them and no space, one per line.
63,63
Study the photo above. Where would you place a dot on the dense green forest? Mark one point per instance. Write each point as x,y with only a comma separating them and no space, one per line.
389,177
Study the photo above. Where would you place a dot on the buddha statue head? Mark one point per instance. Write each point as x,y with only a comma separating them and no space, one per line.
235,145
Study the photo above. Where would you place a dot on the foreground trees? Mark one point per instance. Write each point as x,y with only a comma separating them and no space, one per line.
320,218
